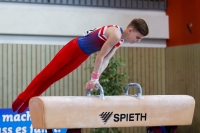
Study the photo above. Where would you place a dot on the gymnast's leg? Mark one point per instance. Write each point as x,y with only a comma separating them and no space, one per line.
65,70
68,53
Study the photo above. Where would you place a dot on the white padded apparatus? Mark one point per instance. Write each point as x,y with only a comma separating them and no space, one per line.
49,112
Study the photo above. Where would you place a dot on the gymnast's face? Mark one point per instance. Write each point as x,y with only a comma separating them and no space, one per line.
134,36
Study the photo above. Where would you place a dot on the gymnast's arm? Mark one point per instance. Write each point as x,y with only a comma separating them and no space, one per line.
113,36
107,59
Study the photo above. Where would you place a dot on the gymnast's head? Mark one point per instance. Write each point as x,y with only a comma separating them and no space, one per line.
136,30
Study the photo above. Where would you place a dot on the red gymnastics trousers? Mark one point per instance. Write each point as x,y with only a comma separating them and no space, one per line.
65,61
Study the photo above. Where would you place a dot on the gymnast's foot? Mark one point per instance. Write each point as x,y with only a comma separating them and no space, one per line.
17,104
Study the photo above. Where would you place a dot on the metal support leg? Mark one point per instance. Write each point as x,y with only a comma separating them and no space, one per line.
74,131
49,131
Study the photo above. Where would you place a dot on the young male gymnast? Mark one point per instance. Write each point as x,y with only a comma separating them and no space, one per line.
105,39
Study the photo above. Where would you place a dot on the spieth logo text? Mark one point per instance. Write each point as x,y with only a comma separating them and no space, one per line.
105,116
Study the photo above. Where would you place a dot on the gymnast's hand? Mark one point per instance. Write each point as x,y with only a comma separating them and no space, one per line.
90,85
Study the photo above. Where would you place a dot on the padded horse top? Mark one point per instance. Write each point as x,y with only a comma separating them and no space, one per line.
49,112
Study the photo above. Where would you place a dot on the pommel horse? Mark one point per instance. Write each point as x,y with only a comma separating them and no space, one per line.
99,111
